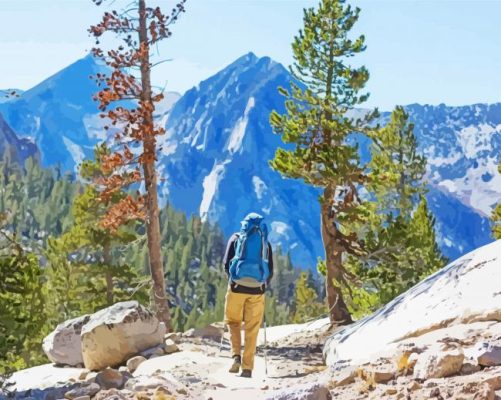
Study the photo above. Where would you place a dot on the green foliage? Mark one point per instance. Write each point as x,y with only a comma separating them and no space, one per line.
397,171
496,218
315,120
23,297
400,240
306,303
36,201
77,282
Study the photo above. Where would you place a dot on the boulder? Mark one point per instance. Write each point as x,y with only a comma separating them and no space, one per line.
118,332
314,391
465,291
64,345
438,363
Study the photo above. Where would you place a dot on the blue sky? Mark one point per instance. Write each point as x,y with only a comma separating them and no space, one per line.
418,51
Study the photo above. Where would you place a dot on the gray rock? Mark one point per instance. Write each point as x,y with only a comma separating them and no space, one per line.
152,352
135,362
116,333
470,368
64,345
488,355
85,390
314,391
110,378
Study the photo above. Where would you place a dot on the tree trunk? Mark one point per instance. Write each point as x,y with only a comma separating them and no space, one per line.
150,180
109,275
338,311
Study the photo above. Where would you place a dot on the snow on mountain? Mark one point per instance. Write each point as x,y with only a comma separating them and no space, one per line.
55,112
214,157
219,143
463,148
61,115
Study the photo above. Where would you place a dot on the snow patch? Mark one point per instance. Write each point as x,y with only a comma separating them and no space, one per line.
94,125
237,134
473,191
442,161
210,185
259,186
280,228
474,139
75,151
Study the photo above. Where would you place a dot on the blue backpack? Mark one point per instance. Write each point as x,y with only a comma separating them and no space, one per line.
251,251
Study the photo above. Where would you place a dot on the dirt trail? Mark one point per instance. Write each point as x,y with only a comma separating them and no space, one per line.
292,356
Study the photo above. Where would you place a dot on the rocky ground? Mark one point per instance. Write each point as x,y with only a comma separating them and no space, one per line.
458,362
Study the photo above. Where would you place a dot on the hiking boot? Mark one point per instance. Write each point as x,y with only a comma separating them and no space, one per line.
246,373
235,368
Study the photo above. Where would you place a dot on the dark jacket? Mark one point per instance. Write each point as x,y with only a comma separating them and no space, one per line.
228,256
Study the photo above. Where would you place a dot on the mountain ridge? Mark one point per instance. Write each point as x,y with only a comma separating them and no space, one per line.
13,148
214,155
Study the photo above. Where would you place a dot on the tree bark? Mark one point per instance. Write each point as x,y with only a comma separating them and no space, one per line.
109,275
338,311
150,179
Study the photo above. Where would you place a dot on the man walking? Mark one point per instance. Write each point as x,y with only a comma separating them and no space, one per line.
248,262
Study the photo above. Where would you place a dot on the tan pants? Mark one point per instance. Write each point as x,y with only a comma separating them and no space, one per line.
248,308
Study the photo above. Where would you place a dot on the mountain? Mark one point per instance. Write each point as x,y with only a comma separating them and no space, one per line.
60,115
463,148
218,142
215,157
14,149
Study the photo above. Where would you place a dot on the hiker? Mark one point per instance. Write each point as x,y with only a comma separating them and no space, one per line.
248,262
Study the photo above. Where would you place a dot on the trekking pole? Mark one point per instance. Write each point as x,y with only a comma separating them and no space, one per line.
265,349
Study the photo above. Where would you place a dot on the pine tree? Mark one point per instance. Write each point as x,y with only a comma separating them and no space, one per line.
23,298
401,240
306,304
133,128
318,124
496,217
88,210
